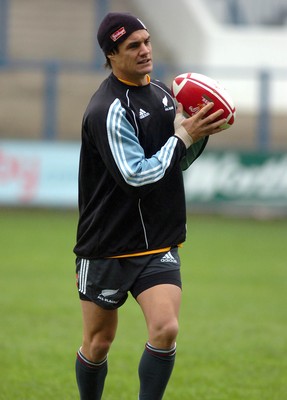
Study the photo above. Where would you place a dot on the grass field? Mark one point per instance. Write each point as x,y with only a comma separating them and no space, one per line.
233,337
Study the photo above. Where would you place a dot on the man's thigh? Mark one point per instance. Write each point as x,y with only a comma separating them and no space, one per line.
99,330
160,303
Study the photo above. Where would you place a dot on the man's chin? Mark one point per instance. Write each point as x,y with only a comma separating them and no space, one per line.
146,69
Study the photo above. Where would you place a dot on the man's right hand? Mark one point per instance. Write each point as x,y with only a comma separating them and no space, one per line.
201,125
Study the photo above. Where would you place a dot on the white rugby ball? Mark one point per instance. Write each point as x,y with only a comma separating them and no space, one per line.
194,91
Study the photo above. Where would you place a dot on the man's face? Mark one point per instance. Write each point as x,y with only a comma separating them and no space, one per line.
134,58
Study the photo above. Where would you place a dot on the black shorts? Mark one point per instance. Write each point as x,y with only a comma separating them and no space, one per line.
107,281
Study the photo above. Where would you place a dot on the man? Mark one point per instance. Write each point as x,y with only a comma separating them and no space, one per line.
132,207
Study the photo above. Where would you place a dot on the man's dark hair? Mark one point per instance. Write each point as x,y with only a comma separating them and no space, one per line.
108,64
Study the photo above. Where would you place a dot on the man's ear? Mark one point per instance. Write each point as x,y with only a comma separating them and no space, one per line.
111,56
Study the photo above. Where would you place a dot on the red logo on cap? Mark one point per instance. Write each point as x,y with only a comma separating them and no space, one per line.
117,34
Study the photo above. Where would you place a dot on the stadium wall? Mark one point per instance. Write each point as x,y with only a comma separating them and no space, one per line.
195,39
50,65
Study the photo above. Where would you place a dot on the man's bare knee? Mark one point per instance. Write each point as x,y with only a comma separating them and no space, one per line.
163,335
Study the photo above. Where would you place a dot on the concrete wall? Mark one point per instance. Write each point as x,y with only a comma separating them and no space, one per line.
193,36
185,37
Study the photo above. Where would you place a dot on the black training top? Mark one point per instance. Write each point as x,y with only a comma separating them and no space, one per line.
131,193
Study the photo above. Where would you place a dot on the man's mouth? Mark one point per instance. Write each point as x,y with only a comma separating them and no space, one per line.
145,61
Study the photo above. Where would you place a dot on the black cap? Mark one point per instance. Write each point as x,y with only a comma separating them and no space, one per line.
115,28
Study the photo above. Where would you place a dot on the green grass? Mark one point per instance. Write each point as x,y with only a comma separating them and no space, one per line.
233,338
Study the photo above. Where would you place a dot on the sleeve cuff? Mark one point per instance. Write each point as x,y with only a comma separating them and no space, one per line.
184,136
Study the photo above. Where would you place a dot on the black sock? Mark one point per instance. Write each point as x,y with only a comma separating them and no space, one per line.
90,377
155,368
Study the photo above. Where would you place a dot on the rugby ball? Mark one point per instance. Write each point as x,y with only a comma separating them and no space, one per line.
194,91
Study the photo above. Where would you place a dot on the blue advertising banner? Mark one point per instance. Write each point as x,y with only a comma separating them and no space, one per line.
39,173
45,174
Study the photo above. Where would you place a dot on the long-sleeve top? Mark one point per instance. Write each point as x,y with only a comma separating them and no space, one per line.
131,192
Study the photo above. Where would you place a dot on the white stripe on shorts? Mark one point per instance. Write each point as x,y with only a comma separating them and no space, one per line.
83,275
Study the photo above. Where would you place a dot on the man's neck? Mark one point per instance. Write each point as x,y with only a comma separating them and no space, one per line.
145,81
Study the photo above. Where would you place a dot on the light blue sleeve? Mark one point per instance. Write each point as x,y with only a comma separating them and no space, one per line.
136,169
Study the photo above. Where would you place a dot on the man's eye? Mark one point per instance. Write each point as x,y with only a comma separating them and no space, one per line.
133,46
